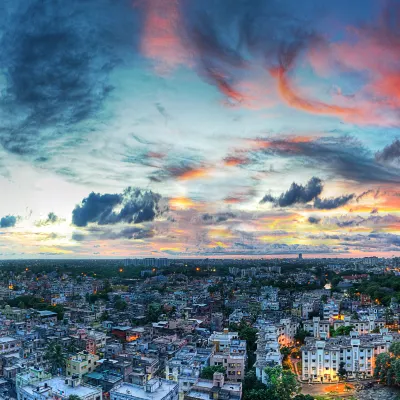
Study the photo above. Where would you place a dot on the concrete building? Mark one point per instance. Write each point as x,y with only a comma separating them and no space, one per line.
230,353
321,358
185,367
58,388
154,389
81,364
317,328
268,351
216,389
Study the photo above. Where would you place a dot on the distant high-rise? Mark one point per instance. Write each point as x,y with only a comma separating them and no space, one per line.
300,256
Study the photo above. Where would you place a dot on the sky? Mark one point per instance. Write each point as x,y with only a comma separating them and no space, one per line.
188,128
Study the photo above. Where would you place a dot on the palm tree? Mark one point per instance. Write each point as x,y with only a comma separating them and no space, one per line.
56,357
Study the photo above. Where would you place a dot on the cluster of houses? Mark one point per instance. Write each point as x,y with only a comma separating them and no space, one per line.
157,336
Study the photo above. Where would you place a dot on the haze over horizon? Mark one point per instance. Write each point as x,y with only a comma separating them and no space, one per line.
172,128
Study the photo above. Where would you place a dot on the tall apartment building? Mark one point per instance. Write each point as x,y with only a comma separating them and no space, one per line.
321,358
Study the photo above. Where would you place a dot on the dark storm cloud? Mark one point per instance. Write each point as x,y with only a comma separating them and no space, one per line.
390,153
56,57
344,156
333,202
134,206
314,220
297,194
130,232
8,221
227,39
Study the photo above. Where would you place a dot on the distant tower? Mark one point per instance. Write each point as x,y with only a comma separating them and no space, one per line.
300,256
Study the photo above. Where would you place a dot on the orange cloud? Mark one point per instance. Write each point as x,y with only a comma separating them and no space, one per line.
176,203
232,161
294,100
160,39
195,173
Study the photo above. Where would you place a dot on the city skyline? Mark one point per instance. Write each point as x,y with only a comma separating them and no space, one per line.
212,129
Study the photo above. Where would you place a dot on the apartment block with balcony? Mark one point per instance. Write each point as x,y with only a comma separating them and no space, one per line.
321,358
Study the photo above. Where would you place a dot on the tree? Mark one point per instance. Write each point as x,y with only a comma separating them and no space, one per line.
282,384
387,365
104,316
73,397
342,372
120,305
208,372
301,335
56,358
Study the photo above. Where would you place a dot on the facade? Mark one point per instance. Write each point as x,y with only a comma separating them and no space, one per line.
81,364
230,353
321,358
317,328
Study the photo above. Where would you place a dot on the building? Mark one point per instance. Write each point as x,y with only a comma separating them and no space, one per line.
58,388
230,353
185,367
9,345
154,389
216,389
321,358
81,364
317,328
268,351
330,310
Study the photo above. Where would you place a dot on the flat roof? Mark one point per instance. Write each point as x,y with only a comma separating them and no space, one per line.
6,339
139,391
59,386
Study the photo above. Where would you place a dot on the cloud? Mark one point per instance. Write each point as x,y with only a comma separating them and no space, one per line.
390,154
132,206
218,218
102,233
184,171
314,220
50,220
344,156
297,194
56,58
333,202
8,221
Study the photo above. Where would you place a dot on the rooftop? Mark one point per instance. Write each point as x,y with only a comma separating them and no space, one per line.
139,391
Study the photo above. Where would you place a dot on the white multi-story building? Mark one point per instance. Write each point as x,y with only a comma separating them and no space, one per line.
317,328
287,329
154,389
321,358
363,326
